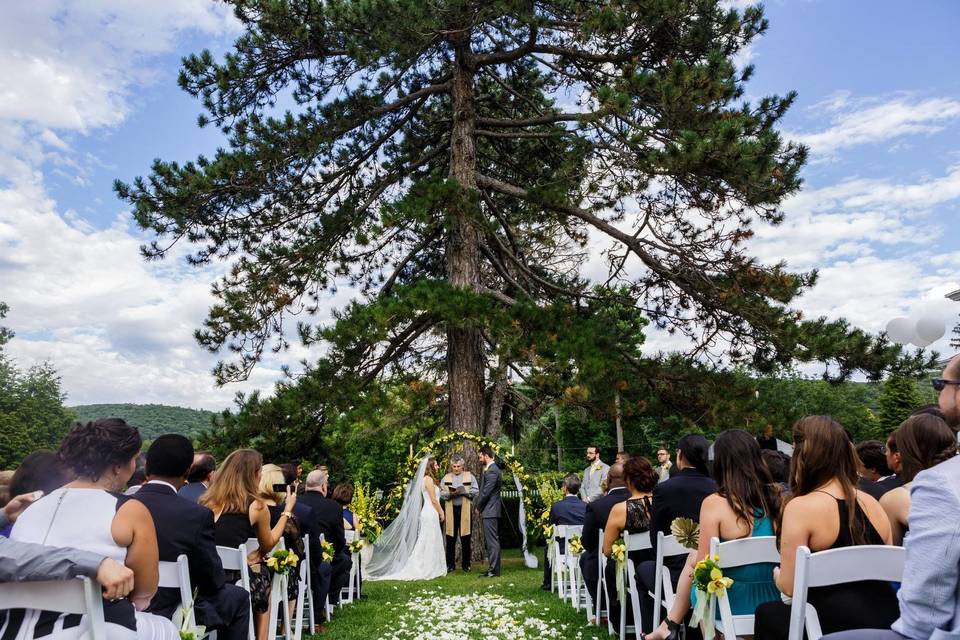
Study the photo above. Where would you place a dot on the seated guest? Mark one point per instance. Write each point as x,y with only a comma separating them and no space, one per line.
778,463
328,515
87,514
679,497
873,459
923,442
320,571
621,457
201,473
568,510
892,456
42,471
930,591
139,476
826,511
271,481
594,520
26,561
239,513
343,495
184,527
633,516
5,478
745,505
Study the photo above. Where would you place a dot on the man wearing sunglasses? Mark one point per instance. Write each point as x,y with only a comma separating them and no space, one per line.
949,388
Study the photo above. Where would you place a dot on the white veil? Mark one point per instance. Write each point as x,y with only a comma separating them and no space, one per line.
395,544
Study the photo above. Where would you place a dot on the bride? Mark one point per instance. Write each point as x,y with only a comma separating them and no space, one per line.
412,547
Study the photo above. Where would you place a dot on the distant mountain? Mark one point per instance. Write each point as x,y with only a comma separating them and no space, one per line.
152,419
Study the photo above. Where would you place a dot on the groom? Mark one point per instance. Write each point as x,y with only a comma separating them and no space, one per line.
490,507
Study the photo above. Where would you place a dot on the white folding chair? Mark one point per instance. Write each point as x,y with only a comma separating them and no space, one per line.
667,547
278,596
304,608
561,567
79,596
601,583
236,560
738,553
327,607
573,568
176,575
636,542
352,590
837,566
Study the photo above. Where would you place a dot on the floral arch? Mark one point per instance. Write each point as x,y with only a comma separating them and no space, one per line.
523,482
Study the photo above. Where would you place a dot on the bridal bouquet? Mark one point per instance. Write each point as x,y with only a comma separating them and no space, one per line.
710,583
327,548
282,560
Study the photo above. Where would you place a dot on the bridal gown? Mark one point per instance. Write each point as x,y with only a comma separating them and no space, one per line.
427,560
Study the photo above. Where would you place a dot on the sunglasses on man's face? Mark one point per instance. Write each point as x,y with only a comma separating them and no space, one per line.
940,383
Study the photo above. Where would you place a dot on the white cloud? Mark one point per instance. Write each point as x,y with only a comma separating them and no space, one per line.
859,121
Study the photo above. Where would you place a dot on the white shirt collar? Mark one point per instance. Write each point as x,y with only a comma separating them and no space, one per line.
489,464
163,482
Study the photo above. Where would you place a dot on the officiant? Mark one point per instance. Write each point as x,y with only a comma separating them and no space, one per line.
458,489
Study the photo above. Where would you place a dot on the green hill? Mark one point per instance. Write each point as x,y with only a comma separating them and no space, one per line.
152,419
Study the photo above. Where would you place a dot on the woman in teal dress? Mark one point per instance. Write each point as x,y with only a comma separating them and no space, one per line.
745,505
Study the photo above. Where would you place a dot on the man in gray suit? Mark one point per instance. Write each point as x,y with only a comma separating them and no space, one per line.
490,506
930,591
593,476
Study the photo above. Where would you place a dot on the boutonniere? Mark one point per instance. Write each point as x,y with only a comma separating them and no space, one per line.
597,467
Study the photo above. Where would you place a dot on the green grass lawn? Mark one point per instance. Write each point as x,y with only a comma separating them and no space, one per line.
509,607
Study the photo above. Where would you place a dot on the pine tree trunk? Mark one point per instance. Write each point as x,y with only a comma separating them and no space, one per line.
466,360
556,437
498,397
465,356
616,402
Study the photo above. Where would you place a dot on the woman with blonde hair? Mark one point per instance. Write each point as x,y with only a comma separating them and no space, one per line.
240,512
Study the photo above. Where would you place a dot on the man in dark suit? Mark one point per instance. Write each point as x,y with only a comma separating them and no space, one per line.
184,527
678,497
199,477
490,506
328,520
594,520
568,510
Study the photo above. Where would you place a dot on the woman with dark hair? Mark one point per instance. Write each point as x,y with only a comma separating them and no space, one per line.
343,495
88,514
745,505
240,513
923,440
827,511
43,471
632,516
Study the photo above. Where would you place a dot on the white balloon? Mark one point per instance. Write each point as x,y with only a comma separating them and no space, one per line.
920,342
930,328
901,330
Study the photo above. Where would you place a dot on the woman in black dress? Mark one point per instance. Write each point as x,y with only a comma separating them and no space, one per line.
827,511
634,517
240,513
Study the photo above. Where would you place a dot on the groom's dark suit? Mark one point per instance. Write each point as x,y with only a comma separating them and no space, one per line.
490,506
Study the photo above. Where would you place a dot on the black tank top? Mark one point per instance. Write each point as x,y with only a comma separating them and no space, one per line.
233,529
638,515
844,536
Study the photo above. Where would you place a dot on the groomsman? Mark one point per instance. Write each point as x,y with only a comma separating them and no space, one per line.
593,476
458,489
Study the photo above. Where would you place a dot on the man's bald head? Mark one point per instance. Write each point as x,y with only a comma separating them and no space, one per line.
615,476
949,399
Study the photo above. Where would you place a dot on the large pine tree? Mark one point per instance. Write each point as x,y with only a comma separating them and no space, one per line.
452,159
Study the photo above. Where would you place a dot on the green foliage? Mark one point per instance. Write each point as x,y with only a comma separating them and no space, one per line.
428,161
152,419
5,334
32,415
899,399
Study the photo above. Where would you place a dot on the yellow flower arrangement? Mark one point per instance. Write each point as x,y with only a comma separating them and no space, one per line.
710,583
327,548
575,545
282,560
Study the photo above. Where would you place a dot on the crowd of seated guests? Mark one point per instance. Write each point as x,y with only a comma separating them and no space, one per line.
100,507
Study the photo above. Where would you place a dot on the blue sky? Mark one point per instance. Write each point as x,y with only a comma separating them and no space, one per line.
89,95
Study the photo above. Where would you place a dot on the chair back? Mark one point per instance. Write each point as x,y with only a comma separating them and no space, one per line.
176,575
236,560
838,566
738,553
349,535
635,542
667,547
78,596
